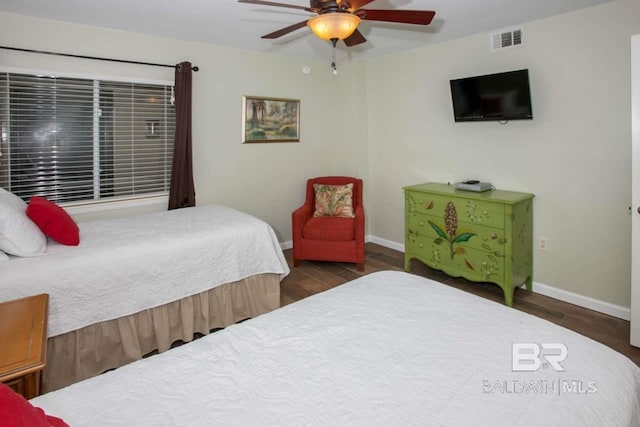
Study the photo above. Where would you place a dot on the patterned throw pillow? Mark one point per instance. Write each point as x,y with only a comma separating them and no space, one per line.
334,200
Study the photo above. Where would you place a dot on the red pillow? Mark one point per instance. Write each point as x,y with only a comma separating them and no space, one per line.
16,411
53,221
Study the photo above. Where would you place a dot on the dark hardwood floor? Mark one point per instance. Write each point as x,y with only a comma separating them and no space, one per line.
313,277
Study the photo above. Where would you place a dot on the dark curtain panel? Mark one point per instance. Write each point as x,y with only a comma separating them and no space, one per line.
181,191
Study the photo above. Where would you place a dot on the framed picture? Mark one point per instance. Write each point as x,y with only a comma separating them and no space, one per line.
270,119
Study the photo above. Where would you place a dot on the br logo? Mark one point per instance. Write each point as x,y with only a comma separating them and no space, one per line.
529,357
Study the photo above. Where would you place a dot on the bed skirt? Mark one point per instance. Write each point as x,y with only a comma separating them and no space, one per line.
97,348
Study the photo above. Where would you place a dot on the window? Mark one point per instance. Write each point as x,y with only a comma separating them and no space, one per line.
73,140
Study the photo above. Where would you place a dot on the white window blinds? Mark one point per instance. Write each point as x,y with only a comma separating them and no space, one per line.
70,139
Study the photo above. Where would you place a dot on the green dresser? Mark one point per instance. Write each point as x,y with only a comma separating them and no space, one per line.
483,237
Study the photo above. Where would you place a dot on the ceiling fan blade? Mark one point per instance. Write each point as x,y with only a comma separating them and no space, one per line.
355,38
270,3
355,4
419,17
286,30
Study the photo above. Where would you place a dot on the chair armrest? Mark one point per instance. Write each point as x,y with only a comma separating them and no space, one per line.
359,223
298,218
302,214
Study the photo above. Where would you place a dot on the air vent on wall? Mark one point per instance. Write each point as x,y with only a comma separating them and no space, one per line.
506,39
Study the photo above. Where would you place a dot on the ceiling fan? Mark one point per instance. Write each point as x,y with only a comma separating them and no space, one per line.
339,19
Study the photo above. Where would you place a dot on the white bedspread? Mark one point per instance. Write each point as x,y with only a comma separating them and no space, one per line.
126,265
389,349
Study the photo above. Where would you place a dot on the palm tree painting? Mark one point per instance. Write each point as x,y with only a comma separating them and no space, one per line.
270,120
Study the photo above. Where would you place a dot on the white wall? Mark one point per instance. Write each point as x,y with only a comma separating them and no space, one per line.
574,155
267,180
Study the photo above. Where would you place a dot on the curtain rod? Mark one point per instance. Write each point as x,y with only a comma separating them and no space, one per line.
91,57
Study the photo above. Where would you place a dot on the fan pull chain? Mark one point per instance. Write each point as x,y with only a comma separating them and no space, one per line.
333,57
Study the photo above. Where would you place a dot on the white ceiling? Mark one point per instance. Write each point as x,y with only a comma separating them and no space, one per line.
227,22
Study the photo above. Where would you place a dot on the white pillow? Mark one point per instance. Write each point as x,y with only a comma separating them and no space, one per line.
18,234
3,256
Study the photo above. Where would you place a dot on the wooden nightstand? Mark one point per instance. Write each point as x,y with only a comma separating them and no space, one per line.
23,334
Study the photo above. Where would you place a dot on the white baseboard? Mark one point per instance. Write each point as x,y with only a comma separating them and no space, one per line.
618,311
384,242
542,289
286,245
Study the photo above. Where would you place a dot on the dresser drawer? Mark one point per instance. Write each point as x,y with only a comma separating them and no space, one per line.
487,239
471,211
471,263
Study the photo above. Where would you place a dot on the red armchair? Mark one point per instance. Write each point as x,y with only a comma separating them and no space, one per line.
329,238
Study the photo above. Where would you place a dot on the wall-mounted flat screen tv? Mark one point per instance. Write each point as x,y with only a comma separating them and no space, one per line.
501,96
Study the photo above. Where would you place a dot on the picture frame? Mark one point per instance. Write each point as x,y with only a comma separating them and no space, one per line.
266,119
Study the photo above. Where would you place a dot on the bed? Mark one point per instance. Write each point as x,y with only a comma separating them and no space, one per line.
136,285
387,349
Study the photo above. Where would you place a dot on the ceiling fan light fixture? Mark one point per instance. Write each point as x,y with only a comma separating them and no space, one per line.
334,25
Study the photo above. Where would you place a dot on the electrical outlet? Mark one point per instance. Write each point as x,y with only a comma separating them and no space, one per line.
543,243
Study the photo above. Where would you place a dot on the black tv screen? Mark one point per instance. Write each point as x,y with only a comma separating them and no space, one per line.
501,96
